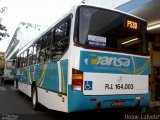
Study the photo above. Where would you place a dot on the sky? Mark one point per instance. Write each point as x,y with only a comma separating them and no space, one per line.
42,12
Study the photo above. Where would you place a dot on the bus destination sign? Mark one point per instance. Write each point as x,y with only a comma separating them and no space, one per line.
132,24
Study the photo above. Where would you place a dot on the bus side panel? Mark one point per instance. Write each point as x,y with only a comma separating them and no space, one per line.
64,75
31,72
46,76
77,101
19,74
39,74
52,100
23,77
53,76
51,80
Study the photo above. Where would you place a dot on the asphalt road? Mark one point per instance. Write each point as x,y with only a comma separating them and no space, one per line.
17,106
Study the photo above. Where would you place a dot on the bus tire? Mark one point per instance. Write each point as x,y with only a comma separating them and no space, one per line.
34,98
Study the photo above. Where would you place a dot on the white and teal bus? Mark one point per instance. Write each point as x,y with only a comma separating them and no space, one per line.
92,58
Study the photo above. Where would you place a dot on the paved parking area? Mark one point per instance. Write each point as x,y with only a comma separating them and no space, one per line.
17,106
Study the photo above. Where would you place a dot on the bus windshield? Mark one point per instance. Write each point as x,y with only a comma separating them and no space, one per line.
105,29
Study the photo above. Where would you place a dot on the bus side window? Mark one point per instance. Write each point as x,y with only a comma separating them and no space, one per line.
13,62
22,59
61,40
48,38
25,59
38,47
34,53
30,55
42,56
18,61
41,52
48,48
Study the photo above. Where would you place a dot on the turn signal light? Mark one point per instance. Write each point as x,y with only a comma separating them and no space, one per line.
77,80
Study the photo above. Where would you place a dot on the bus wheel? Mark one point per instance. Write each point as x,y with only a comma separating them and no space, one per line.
34,98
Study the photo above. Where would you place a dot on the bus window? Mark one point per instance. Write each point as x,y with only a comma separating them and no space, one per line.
48,39
114,32
30,55
25,59
60,40
47,53
34,53
42,56
22,60
14,63
45,47
18,61
38,47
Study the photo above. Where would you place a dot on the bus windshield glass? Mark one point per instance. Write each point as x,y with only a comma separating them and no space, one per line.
105,29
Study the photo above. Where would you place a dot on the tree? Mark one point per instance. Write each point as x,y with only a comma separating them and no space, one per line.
3,29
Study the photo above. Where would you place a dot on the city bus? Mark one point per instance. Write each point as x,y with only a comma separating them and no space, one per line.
92,58
9,70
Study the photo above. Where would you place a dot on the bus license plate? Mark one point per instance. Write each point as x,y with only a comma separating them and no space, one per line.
119,86
118,103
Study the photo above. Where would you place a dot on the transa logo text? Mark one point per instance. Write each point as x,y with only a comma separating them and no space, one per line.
105,60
